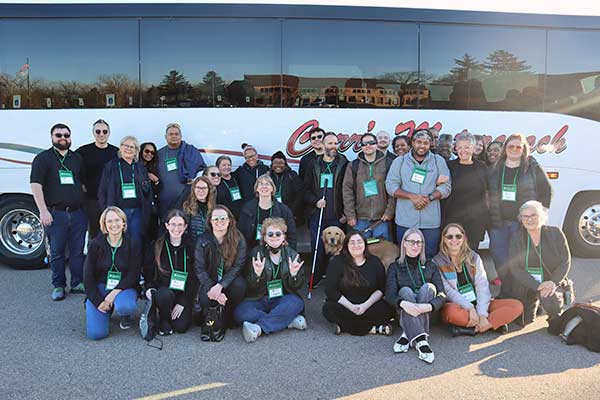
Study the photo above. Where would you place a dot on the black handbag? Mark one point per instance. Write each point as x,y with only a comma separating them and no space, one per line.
213,327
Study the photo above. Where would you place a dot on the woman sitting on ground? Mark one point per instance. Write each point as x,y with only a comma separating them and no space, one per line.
274,277
354,287
414,287
111,272
169,276
470,308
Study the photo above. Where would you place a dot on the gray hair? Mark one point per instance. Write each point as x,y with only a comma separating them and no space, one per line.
465,137
383,132
540,210
136,143
409,232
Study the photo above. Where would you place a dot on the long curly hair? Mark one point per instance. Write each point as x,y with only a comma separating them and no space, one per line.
190,205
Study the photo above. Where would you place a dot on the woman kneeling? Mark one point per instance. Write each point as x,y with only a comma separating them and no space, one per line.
274,277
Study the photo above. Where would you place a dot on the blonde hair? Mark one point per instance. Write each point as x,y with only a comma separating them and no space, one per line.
409,232
265,177
463,252
136,144
275,222
120,213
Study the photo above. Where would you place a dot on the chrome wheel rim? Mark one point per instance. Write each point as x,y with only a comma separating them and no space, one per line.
589,225
21,232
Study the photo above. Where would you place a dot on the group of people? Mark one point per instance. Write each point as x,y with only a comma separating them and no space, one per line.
194,238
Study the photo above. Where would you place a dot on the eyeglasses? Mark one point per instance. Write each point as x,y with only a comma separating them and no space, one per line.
103,131
248,156
274,234
514,147
264,184
148,151
316,137
529,217
220,218
202,188
215,174
62,135
413,242
128,146
356,242
457,236
370,143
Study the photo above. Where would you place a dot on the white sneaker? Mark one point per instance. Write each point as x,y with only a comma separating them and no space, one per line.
298,323
399,347
251,332
427,357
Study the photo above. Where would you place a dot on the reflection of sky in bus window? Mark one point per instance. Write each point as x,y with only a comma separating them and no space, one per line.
570,52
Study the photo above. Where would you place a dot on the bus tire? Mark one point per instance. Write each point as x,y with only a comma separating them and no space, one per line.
22,238
582,225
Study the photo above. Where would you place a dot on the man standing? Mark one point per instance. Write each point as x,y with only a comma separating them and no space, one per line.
383,142
178,164
57,190
365,200
316,141
323,183
418,180
95,155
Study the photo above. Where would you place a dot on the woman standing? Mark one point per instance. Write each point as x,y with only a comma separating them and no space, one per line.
213,174
170,281
493,153
354,288
111,271
148,158
197,205
470,309
401,145
469,186
414,287
228,191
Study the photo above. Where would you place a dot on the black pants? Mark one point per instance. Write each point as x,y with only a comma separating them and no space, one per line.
531,300
235,292
165,300
92,210
378,314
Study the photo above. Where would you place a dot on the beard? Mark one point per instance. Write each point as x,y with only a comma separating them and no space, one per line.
331,153
62,146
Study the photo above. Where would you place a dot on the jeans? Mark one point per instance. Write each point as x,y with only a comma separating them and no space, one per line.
432,239
314,226
67,228
134,224
381,230
98,323
272,315
414,327
499,245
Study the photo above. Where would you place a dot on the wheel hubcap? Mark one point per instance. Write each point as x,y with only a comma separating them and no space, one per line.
21,232
589,225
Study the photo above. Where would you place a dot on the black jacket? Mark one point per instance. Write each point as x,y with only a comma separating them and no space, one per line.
246,178
291,188
110,188
313,192
532,184
248,221
224,196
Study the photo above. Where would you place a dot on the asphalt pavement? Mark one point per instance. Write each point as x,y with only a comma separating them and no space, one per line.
45,355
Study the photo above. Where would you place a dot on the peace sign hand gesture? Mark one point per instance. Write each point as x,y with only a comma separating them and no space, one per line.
258,265
295,265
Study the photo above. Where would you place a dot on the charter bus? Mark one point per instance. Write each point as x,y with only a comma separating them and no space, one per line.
266,74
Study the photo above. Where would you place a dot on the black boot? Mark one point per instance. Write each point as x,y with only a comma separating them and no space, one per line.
503,329
459,330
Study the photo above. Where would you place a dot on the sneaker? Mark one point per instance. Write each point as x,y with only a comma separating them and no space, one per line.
58,294
165,328
402,344
298,323
424,351
251,332
79,289
126,322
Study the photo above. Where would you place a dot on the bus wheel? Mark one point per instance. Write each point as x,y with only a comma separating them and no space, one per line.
582,225
21,233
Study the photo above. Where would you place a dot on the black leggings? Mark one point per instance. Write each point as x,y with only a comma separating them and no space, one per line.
235,292
379,313
165,300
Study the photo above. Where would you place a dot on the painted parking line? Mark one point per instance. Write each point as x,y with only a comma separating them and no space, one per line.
181,392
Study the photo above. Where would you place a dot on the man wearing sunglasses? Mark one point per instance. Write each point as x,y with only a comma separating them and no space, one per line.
365,199
316,142
95,155
57,190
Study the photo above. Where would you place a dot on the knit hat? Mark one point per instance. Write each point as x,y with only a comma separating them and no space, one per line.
278,154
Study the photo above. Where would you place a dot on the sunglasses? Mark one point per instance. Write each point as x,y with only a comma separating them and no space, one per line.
103,131
370,143
275,234
149,151
62,135
214,174
414,242
316,137
221,218
458,236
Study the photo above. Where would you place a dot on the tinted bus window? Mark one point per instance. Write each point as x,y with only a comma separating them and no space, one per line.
69,64
211,63
483,68
573,80
350,64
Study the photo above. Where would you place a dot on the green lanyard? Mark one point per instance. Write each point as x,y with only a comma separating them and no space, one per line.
328,167
464,269
280,184
258,221
229,187
113,252
171,260
527,254
275,271
62,159
220,269
370,170
411,278
121,173
516,175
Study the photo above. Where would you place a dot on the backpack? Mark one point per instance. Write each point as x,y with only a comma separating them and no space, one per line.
580,324
149,319
213,327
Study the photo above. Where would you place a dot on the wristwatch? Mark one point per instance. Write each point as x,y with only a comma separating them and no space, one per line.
430,197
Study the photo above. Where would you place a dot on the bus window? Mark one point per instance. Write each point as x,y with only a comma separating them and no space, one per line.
350,64
483,68
573,80
211,62
66,63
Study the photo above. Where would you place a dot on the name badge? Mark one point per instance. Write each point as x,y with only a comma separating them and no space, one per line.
275,288
537,274
171,164
235,193
128,191
370,188
509,192
278,197
418,175
178,280
113,279
329,178
65,177
468,293
258,231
